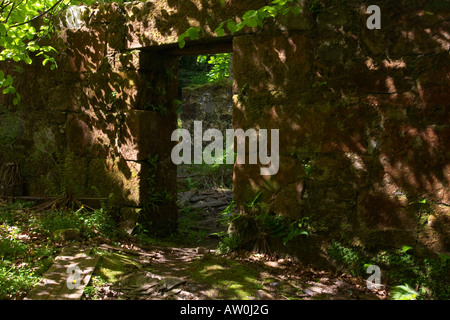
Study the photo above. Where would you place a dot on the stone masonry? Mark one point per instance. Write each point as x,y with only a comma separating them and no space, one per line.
362,114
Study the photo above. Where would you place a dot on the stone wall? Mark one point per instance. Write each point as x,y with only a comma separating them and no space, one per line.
210,103
362,114
363,120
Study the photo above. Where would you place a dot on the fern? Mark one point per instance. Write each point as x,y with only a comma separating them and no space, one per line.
404,293
108,205
61,184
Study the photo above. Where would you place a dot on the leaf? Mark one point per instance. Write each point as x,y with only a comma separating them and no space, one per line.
193,33
404,293
231,25
2,29
250,14
220,32
252,23
296,10
9,81
406,248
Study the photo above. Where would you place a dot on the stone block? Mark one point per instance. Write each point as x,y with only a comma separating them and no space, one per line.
85,49
283,63
118,177
147,133
90,134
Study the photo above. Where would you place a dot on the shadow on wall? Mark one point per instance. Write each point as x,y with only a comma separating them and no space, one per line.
363,120
362,113
113,110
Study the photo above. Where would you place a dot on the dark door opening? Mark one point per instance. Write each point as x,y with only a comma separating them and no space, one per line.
205,191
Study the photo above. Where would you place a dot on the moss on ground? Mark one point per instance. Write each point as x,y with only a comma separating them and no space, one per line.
113,266
227,278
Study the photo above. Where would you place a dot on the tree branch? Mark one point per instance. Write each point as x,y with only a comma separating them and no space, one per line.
39,15
10,11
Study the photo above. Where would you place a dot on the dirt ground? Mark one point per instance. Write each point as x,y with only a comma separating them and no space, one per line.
198,272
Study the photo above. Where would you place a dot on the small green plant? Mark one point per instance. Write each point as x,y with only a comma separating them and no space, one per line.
276,226
160,108
401,265
403,292
228,244
229,241
61,184
272,225
108,205
91,291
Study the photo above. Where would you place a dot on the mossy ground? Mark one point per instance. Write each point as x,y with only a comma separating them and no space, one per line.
227,279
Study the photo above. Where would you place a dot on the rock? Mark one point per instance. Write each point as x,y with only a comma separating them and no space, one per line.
263,295
185,197
275,284
198,198
171,283
309,292
127,225
201,250
213,203
62,235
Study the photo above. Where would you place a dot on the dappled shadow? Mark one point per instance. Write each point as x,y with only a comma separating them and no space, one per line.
362,113
363,123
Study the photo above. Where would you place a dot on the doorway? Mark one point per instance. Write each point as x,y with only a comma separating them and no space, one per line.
205,191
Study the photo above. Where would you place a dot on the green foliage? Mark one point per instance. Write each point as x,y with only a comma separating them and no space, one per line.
229,241
108,205
398,266
91,291
15,281
350,257
276,226
403,292
220,66
21,264
90,223
229,244
23,26
270,225
251,19
203,69
20,39
22,260
63,183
